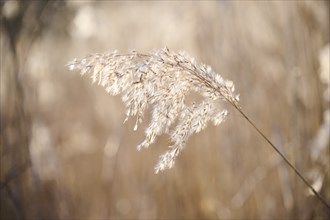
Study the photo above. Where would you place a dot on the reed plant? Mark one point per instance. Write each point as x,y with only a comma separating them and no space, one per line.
165,81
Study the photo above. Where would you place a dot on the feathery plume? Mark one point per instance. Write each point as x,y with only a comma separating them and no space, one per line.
162,80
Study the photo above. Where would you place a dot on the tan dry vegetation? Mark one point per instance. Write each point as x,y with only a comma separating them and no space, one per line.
66,154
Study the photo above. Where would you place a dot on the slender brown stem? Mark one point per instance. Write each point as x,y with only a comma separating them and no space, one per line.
284,158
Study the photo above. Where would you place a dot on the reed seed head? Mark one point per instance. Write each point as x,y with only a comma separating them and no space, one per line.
162,81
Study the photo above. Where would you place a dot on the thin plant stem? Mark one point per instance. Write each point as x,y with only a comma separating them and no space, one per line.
282,156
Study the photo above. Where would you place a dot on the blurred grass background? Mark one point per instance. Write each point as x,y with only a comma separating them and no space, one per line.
65,153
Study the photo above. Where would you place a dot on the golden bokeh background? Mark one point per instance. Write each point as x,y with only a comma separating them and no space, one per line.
66,154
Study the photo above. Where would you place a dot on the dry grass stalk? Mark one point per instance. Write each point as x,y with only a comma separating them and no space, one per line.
162,80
